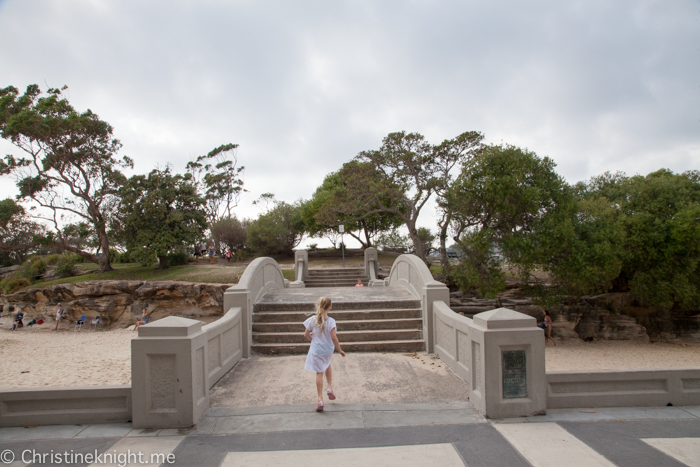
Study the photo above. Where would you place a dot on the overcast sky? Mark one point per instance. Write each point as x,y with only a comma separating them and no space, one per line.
303,86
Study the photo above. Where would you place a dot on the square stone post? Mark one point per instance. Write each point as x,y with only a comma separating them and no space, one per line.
507,368
168,374
301,264
240,297
432,292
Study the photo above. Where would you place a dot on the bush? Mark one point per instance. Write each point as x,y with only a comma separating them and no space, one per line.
13,284
31,270
177,259
65,266
52,259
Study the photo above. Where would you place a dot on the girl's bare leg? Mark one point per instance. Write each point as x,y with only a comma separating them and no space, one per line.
329,378
549,334
319,385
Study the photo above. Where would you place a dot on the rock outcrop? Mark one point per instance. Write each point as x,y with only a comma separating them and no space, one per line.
119,303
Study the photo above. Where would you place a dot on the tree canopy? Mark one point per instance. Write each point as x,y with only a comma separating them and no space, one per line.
161,213
71,170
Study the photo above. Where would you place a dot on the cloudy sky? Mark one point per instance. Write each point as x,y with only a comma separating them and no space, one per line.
303,86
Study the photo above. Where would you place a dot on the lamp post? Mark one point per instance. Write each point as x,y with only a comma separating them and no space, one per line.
341,229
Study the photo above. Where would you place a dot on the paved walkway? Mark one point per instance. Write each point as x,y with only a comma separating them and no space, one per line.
441,434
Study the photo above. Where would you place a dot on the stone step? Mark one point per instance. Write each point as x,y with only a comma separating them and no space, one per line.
338,315
338,306
332,284
368,346
322,271
343,336
351,325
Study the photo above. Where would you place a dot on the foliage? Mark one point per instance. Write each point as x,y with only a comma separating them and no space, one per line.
71,172
331,206
278,231
160,214
394,241
219,180
18,234
177,259
13,284
478,272
66,266
230,233
657,217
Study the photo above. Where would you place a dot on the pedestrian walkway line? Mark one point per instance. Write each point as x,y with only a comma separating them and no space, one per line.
443,455
132,452
684,450
548,444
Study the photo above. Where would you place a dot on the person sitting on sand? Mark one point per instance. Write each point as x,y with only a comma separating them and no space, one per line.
359,283
144,318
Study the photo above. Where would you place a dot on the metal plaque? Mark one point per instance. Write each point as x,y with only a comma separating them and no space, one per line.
514,374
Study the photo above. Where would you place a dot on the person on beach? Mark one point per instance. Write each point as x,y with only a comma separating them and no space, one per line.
228,255
59,315
359,283
144,318
211,254
548,328
197,252
320,330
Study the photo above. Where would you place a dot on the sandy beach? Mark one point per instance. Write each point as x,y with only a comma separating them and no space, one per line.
39,356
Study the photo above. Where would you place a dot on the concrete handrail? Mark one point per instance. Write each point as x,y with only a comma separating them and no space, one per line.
372,267
410,272
452,341
261,276
301,268
224,342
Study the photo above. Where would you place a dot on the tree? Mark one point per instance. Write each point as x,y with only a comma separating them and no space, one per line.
220,180
330,206
502,201
160,214
660,248
230,232
18,233
278,231
71,170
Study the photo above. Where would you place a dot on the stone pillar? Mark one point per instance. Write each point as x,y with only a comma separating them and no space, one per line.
507,368
237,296
372,267
168,374
301,264
432,292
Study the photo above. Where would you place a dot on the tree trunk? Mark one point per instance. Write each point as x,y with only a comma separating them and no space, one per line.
444,225
418,246
162,262
104,261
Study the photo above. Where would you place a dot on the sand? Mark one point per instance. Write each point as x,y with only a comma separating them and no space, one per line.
39,356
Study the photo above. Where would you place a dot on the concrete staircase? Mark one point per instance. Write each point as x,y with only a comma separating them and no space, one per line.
377,319
335,277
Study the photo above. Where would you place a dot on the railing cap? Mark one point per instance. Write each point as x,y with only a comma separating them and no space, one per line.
171,326
503,318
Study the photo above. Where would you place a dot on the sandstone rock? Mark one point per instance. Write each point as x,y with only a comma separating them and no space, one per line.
119,303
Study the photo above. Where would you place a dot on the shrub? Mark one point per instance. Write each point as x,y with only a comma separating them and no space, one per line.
177,259
13,284
52,259
65,266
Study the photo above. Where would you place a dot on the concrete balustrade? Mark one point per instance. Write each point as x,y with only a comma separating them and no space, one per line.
410,272
174,363
301,268
261,276
372,268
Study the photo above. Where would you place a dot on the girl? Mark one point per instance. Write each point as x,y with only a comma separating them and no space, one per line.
548,328
320,330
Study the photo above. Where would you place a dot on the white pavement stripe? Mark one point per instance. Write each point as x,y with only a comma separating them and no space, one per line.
132,452
548,444
442,455
685,450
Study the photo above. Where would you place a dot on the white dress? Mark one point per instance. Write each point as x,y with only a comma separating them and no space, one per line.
321,350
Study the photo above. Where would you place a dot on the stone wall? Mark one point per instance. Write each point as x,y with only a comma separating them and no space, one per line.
119,303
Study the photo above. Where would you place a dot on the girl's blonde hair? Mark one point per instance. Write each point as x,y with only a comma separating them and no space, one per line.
323,304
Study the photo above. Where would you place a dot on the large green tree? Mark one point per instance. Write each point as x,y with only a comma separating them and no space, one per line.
331,205
160,213
70,170
18,233
278,231
659,217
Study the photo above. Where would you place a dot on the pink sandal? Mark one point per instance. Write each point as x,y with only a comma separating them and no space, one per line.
319,406
331,396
